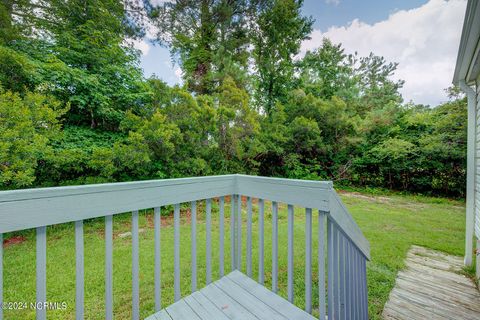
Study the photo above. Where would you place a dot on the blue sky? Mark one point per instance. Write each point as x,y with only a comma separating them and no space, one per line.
340,13
422,35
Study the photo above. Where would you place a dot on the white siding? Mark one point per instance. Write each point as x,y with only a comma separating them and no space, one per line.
477,164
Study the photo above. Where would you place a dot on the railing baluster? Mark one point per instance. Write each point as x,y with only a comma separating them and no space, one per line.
1,275
364,287
261,271
308,260
349,280
209,240
193,235
108,267
79,275
357,289
355,307
249,237
222,236
274,246
290,253
239,232
355,292
232,232
361,283
41,271
357,283
330,266
135,268
341,256
336,273
157,221
176,223
321,264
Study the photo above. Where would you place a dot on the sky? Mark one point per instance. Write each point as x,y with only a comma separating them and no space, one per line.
422,36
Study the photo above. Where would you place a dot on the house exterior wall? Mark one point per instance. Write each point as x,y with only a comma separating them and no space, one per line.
477,179
477,162
467,76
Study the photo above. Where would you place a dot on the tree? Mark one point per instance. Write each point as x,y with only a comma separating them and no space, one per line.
18,72
326,71
156,132
237,123
208,38
26,126
77,51
272,143
280,28
20,19
103,79
337,127
376,86
305,137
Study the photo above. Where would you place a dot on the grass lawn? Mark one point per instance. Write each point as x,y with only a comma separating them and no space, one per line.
391,223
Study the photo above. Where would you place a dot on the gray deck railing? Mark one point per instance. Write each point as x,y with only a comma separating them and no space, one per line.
345,251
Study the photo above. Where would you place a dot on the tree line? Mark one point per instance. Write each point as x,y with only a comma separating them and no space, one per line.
75,106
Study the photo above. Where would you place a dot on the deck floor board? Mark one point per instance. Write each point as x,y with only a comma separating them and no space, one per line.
235,296
432,287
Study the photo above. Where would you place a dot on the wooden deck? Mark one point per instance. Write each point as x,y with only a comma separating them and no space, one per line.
431,287
235,296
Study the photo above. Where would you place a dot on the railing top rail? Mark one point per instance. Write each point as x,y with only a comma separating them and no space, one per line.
51,192
30,208
344,220
305,193
24,209
286,181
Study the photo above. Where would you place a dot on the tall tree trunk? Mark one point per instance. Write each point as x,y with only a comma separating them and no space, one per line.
204,65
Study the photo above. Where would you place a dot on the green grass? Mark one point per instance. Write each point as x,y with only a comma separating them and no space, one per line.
391,223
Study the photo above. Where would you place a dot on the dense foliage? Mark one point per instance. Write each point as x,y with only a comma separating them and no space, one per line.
76,108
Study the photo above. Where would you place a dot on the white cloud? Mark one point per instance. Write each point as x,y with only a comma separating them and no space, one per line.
159,2
424,41
178,74
141,45
334,2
